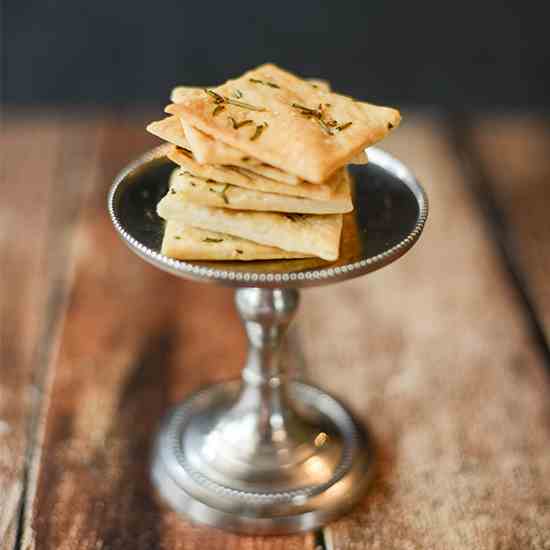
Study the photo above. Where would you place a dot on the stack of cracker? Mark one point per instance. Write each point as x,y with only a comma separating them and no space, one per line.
262,166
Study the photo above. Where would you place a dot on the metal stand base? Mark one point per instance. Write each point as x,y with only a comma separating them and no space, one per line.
196,470
265,455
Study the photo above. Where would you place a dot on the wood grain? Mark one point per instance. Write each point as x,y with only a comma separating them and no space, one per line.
514,151
35,223
135,341
434,353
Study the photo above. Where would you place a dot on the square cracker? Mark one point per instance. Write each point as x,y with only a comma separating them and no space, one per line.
170,130
210,151
244,178
292,139
306,234
189,243
197,191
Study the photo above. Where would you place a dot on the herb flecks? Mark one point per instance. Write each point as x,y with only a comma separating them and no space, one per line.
221,192
238,94
317,115
243,105
344,126
264,82
219,99
210,240
239,251
237,125
210,181
218,109
324,126
224,196
306,110
258,132
177,237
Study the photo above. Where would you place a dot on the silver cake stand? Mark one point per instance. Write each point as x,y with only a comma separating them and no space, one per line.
265,454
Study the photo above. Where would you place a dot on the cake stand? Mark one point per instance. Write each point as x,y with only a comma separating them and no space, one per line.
264,454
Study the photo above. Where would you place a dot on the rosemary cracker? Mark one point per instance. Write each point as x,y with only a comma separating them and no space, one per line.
295,126
170,130
189,188
209,151
306,234
189,243
244,178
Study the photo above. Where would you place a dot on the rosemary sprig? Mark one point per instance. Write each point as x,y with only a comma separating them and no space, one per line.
209,181
264,82
344,126
221,192
210,240
218,99
218,109
237,125
324,125
259,129
238,94
243,105
224,196
307,110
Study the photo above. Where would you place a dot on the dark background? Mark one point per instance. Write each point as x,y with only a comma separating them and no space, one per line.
453,55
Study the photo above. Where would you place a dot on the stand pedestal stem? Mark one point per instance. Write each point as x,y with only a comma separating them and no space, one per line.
266,314
266,455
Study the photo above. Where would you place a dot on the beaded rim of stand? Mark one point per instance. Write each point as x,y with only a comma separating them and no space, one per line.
183,414
297,278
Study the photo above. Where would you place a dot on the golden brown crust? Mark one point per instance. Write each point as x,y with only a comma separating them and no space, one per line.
292,141
250,180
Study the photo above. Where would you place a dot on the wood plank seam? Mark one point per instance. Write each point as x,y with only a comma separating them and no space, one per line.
61,232
482,186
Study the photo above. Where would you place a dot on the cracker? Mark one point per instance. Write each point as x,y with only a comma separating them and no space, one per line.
244,178
189,243
282,133
306,234
169,129
210,151
198,191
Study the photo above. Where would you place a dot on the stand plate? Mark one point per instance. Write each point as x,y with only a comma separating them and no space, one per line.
390,209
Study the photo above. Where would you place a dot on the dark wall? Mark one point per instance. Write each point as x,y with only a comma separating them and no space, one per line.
452,54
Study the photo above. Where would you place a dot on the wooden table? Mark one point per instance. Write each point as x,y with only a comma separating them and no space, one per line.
445,353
